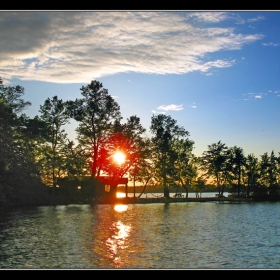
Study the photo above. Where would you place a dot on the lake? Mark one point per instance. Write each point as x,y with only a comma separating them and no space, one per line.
186,235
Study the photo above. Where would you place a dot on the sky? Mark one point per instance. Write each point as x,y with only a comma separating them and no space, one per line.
217,73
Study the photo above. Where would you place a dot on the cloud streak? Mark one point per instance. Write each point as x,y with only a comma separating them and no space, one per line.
171,107
67,47
270,44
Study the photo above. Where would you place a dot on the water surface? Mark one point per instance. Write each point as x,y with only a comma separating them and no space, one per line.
188,235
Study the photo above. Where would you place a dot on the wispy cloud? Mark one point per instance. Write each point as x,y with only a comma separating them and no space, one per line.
78,46
270,44
171,107
254,96
258,18
210,16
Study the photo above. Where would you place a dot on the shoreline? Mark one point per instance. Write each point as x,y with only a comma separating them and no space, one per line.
137,200
144,200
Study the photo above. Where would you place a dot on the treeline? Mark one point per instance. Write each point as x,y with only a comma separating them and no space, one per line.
36,152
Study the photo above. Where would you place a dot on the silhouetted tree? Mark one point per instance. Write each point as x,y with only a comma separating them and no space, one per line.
186,167
19,175
251,174
75,161
128,139
95,113
237,162
269,173
214,164
54,114
144,171
164,131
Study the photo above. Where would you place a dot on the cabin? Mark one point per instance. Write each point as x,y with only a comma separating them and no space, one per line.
101,190
106,189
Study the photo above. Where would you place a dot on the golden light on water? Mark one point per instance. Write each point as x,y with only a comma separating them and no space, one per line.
117,243
120,207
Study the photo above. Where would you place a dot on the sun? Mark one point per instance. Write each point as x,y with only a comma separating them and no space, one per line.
119,157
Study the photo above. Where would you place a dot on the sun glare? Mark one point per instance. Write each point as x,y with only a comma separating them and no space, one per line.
119,157
119,194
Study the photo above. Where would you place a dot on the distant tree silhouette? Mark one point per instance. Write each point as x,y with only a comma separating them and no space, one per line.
269,173
186,166
237,162
213,163
251,174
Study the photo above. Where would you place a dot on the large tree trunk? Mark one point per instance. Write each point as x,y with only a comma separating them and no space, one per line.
166,192
165,187
238,187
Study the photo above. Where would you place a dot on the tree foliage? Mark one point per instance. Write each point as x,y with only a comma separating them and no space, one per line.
214,164
164,131
20,181
237,162
186,165
95,113
55,116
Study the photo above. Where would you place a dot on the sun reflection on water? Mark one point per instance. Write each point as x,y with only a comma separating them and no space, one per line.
117,242
120,207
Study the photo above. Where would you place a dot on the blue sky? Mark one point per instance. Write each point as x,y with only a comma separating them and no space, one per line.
216,73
